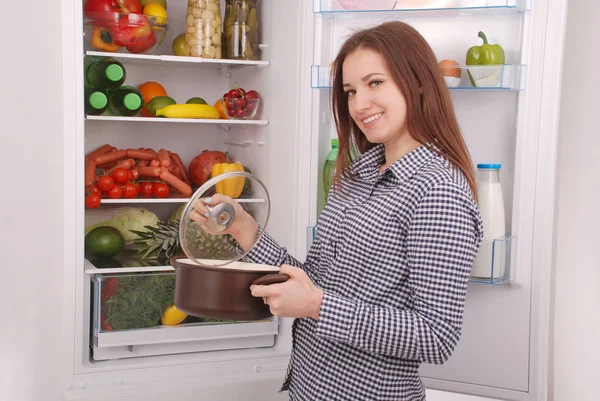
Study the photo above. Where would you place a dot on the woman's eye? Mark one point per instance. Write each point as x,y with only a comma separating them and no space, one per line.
349,93
375,83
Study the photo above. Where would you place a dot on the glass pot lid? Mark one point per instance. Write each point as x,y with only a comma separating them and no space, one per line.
209,245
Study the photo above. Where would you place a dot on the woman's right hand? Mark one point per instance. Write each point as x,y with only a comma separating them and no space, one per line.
244,228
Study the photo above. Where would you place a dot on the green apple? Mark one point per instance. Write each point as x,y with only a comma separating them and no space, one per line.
161,2
179,46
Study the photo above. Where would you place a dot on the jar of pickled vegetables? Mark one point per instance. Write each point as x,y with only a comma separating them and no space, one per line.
241,29
203,29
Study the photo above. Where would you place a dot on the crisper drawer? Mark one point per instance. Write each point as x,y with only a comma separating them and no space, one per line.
127,321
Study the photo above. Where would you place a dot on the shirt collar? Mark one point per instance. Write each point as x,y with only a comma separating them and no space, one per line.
367,166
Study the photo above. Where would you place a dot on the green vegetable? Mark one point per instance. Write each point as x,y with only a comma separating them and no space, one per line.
140,301
485,55
123,219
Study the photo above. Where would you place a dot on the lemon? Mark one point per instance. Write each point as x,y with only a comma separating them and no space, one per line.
157,11
161,2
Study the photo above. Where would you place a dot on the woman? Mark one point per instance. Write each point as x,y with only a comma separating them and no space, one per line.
383,286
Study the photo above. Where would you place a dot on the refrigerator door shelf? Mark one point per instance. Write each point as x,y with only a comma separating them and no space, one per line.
417,8
503,77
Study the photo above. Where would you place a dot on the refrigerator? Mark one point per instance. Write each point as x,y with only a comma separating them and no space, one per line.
512,121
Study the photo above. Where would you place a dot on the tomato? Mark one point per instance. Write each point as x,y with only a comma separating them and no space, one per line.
92,201
130,175
115,192
161,190
130,190
95,190
252,95
121,175
106,183
146,189
109,287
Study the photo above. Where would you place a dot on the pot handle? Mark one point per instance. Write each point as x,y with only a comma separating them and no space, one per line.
173,260
271,279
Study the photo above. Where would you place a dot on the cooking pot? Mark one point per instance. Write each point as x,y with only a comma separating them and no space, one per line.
213,280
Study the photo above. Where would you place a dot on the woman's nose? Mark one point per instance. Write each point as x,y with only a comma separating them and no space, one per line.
362,101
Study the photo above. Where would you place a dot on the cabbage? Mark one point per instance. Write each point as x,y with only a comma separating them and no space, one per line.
123,219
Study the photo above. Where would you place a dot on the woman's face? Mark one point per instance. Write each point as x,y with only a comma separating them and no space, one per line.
374,100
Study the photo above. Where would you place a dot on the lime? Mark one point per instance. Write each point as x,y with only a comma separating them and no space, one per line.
158,102
196,100
104,242
179,47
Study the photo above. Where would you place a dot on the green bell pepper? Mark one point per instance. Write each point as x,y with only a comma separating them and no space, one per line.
486,54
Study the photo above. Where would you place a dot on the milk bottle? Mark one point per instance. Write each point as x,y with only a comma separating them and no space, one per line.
491,207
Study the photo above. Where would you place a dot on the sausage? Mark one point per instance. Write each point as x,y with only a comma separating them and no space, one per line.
176,183
100,151
143,163
107,165
125,163
163,156
136,173
111,157
155,163
179,163
177,173
150,171
90,173
141,154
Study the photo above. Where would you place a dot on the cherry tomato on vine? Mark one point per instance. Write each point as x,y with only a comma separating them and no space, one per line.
130,190
92,201
95,190
106,183
120,175
115,192
161,190
146,189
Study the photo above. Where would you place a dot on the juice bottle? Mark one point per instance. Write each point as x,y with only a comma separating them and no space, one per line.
105,73
329,168
124,101
96,102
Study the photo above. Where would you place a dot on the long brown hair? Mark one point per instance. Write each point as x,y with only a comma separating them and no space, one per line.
430,114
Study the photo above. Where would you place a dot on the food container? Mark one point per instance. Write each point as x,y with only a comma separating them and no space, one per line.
213,280
123,33
240,108
203,29
242,31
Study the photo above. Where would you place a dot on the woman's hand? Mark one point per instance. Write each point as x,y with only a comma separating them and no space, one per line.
297,297
244,228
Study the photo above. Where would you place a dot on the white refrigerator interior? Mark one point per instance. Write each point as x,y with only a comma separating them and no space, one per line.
502,353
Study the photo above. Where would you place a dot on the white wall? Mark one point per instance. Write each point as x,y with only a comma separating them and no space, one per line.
31,201
575,370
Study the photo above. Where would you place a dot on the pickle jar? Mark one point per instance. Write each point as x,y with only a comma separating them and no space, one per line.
241,30
203,29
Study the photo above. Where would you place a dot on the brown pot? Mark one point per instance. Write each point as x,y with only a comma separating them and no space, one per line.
222,292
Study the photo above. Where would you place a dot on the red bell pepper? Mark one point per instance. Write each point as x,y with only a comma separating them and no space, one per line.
133,31
104,12
130,6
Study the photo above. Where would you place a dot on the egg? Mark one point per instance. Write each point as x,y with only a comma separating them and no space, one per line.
450,68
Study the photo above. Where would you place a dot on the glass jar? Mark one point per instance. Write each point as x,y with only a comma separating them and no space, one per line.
203,29
241,29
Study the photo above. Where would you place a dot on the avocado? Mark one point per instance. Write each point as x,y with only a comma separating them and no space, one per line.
196,100
159,102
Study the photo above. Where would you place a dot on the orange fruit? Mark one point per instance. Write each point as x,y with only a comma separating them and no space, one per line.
222,113
149,91
450,68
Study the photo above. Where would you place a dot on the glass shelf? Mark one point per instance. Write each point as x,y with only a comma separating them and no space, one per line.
416,8
503,251
504,77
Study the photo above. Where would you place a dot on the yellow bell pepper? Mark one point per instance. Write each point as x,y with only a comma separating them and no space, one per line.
172,316
230,186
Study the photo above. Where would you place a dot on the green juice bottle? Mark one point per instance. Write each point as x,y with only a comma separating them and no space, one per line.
329,168
124,101
105,73
96,102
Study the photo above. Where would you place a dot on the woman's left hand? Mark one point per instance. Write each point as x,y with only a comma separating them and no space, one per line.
297,297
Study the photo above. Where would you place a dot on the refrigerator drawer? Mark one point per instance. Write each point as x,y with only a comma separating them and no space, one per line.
126,321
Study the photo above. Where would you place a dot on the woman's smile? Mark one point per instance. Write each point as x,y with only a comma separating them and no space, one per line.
371,119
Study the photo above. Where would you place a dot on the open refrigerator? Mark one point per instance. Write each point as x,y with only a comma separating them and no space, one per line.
502,351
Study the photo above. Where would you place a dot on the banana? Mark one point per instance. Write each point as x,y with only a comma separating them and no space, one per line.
189,111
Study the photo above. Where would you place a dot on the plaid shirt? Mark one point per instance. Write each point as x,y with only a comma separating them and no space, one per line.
392,254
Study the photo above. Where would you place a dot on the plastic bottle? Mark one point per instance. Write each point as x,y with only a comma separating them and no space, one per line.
124,101
329,167
96,102
105,73
491,208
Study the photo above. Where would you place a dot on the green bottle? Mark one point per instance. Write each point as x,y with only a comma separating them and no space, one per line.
124,101
105,73
96,102
329,167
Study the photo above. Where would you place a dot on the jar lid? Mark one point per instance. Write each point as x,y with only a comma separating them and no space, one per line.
489,166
